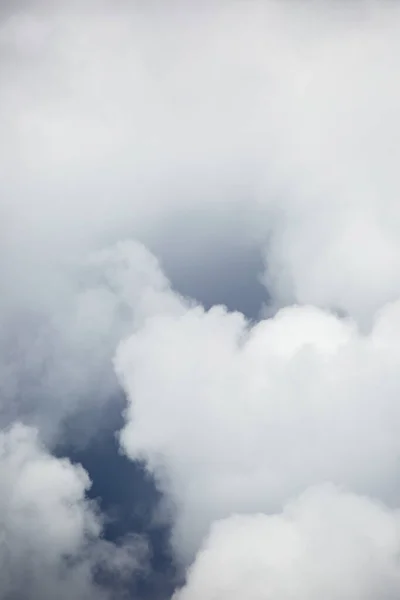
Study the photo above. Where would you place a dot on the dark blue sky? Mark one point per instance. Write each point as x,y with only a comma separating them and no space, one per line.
128,498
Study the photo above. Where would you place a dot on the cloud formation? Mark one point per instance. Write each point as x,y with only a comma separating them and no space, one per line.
94,150
248,416
326,543
270,124
267,124
50,533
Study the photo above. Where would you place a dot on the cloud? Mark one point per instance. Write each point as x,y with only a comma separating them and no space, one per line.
50,533
237,418
335,241
326,543
56,353
94,151
270,125
266,124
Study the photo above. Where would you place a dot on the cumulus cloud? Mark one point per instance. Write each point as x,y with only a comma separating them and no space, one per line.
50,534
237,419
327,543
266,124
248,416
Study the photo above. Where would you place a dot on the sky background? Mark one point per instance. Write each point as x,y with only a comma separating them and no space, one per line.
200,300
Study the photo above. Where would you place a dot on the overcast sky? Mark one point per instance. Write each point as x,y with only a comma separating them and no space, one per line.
200,300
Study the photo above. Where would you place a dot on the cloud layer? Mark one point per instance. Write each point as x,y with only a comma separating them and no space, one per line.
195,131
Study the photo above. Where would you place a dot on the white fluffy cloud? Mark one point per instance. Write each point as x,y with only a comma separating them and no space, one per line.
235,420
50,542
232,418
326,544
